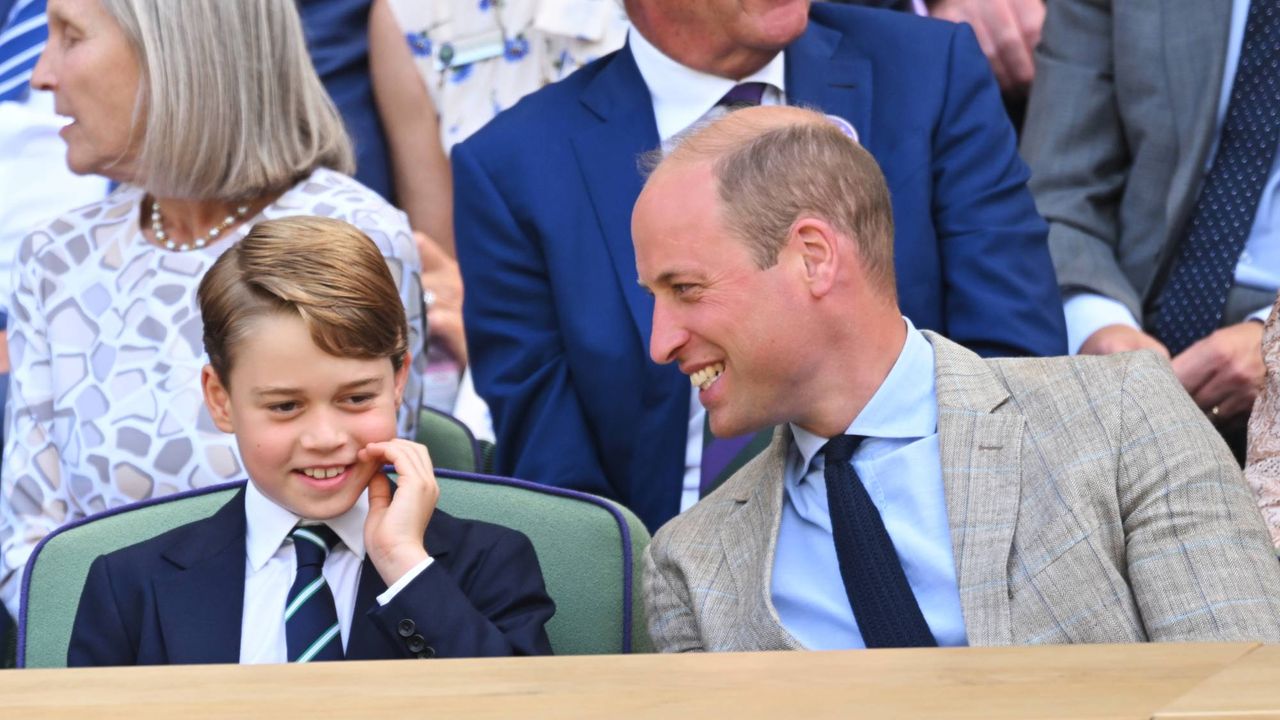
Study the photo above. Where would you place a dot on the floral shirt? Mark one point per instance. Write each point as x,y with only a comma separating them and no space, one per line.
106,345
479,57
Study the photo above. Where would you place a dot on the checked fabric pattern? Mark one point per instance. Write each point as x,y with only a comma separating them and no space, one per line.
310,617
1192,302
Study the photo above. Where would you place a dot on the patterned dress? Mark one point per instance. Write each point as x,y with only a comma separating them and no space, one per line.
478,57
105,340
1262,468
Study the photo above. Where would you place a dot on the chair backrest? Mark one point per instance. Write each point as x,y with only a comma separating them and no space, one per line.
451,443
589,549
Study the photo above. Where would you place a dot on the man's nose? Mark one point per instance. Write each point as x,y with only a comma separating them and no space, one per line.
667,335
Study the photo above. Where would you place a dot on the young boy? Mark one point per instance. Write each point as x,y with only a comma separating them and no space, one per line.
316,559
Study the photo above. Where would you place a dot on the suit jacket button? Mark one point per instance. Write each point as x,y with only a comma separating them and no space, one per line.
417,644
406,628
427,652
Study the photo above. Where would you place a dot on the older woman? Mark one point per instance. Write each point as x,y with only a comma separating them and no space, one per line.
210,115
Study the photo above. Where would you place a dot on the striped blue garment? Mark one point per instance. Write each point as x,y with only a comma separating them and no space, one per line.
21,41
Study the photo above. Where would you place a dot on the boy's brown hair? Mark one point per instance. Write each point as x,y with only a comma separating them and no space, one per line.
321,270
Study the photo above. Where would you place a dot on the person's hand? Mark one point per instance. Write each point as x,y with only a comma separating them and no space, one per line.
1121,338
1224,371
1007,30
395,527
443,281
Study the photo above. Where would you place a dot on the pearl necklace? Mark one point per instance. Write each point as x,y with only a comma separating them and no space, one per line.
157,225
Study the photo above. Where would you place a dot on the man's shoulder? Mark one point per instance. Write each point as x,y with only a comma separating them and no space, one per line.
546,112
1092,374
882,26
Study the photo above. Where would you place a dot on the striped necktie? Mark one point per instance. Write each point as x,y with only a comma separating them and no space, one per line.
310,618
21,41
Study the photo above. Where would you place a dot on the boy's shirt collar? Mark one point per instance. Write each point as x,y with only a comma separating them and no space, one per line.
267,525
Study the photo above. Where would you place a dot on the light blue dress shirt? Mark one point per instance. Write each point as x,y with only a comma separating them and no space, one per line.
1259,265
900,466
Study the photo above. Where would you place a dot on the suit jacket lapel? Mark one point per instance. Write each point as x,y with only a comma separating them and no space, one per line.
365,641
981,471
749,537
823,72
1194,34
201,605
607,154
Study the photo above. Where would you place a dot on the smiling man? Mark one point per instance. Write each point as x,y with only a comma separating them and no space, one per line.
555,324
914,494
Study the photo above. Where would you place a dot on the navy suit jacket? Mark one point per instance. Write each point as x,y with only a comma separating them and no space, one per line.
178,598
557,325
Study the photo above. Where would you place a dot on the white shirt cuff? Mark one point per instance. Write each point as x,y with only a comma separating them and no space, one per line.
1260,315
1087,313
404,581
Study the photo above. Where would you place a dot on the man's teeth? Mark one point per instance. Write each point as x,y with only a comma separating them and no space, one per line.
703,378
322,473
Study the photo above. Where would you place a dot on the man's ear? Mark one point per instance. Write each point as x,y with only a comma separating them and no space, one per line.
816,243
217,399
402,377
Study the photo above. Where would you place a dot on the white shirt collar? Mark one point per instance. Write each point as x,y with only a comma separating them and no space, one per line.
682,95
905,406
268,525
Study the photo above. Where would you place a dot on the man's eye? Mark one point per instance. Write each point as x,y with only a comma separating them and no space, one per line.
682,288
284,407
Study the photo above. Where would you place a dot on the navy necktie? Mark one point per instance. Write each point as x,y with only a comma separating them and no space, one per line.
21,40
883,605
310,617
1193,300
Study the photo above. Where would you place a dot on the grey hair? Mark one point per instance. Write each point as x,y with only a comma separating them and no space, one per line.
230,105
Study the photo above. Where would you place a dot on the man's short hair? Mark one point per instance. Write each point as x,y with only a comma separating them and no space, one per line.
230,104
775,165
321,270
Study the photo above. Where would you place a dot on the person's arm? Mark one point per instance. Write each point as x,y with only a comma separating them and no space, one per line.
1001,294
34,492
513,333
1074,141
672,625
1007,30
419,165
1262,468
1196,553
99,637
497,605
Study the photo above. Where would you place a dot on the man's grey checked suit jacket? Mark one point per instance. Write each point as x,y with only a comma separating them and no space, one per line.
1090,501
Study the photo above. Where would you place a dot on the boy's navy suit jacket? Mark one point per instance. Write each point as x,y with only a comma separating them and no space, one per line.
178,598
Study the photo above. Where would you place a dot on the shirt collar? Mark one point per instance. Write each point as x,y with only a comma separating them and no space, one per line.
904,407
268,525
682,95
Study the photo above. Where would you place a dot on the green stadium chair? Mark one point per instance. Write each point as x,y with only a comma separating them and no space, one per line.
589,549
452,445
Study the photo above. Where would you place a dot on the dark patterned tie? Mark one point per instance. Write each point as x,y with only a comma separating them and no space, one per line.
1194,298
744,95
883,605
310,618
21,40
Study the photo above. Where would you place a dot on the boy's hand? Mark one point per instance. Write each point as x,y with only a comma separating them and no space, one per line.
394,529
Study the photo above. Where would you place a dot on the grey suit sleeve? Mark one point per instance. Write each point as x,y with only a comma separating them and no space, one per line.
1197,555
672,624
1074,141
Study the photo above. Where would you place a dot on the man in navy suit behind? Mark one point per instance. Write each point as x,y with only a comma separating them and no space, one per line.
556,321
